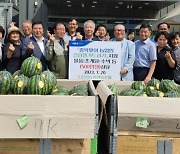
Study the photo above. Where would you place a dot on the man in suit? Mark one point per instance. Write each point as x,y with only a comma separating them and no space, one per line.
89,28
127,53
27,28
36,44
57,51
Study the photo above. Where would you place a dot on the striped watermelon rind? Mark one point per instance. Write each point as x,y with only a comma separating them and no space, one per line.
138,85
167,85
51,80
20,84
37,85
6,82
31,66
16,74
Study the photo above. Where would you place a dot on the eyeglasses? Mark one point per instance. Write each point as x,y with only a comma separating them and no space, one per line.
119,30
163,29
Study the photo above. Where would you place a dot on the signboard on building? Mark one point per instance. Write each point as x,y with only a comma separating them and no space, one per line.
94,60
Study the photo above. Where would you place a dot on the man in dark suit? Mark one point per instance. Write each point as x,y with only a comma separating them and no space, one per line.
89,28
36,44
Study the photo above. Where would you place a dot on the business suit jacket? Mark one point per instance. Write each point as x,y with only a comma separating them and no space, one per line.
127,58
36,52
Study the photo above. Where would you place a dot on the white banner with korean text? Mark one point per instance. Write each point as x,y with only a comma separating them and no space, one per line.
94,60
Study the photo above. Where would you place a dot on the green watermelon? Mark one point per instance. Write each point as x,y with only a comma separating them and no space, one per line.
16,74
37,85
127,92
149,89
156,93
138,85
154,82
114,89
20,84
51,79
168,85
6,82
60,90
140,93
31,66
79,90
172,94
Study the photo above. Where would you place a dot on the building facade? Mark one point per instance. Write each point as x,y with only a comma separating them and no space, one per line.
131,13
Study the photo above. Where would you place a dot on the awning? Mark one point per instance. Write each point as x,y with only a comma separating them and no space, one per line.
173,17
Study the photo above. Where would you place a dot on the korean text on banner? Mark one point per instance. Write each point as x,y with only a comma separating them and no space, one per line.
94,60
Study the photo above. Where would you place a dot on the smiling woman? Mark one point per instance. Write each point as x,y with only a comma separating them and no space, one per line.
12,51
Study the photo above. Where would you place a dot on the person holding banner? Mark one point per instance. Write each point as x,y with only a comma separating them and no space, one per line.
57,52
127,53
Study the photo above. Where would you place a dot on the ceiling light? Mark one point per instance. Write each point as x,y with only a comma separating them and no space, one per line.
69,5
94,2
120,3
93,6
116,7
140,7
82,5
146,3
68,1
127,6
118,22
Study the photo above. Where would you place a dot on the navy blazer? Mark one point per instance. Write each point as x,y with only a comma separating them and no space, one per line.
93,39
36,52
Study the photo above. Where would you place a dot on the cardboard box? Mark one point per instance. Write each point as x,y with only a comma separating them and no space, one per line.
160,114
55,146
21,146
130,142
70,117
65,146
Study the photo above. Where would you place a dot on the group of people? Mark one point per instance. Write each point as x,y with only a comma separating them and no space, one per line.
141,60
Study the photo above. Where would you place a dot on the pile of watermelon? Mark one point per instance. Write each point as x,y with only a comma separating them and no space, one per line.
78,90
29,80
155,88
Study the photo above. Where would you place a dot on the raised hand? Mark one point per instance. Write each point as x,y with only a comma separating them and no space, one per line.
11,48
79,36
30,46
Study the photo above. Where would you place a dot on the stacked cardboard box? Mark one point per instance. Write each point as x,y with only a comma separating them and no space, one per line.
64,123
142,114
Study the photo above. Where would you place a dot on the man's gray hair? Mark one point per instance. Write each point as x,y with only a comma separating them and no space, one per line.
89,21
27,21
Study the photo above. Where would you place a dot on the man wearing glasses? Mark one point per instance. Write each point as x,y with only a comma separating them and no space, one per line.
127,53
72,30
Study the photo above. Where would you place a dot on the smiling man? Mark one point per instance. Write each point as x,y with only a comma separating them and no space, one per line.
57,52
145,55
72,30
127,53
36,44
89,28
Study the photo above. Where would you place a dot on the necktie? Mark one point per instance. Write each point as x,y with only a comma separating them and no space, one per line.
62,43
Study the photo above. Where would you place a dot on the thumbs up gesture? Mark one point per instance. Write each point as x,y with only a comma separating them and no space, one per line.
11,48
30,46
